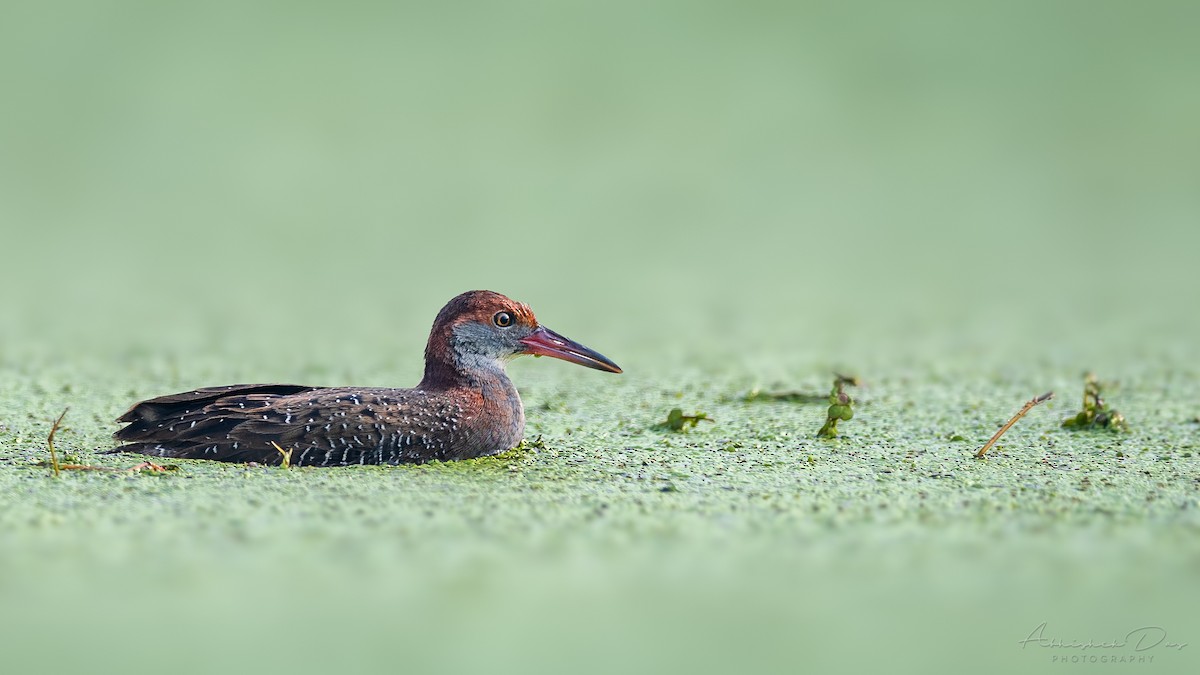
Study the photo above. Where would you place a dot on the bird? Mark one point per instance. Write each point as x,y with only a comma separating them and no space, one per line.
464,407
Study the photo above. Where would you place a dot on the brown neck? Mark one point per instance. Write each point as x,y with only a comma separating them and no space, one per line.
442,375
441,368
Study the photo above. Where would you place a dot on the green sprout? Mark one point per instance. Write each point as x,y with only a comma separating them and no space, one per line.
529,447
841,406
677,421
1096,413
285,456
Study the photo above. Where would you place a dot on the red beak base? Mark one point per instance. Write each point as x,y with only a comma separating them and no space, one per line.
545,342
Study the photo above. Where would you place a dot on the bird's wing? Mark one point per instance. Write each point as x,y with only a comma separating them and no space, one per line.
152,410
318,426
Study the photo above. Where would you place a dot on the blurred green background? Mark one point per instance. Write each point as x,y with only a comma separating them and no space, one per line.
716,195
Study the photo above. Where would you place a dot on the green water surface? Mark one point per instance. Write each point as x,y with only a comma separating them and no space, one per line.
966,205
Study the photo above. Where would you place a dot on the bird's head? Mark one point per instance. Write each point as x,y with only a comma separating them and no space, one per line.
484,328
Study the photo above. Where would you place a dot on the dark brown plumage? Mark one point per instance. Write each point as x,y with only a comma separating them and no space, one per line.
464,407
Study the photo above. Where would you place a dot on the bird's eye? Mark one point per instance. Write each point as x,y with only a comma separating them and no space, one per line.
503,319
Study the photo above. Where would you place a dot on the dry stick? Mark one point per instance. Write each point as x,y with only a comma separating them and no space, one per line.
144,465
1020,413
50,441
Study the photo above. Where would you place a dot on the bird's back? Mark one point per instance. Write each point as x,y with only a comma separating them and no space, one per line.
319,426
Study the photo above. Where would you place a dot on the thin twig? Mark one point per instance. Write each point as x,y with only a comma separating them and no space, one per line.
1020,413
50,441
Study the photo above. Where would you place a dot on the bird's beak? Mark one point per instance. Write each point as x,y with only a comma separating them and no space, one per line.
545,342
